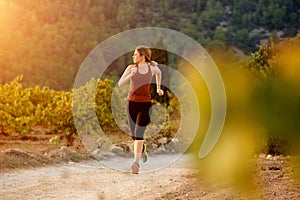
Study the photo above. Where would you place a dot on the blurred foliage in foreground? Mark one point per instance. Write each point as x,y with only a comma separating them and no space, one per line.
276,97
263,95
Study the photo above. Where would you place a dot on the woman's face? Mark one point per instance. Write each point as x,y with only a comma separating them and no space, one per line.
137,57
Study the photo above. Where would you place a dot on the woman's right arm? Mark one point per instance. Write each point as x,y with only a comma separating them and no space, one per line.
128,73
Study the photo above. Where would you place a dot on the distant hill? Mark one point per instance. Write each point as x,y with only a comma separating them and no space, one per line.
46,41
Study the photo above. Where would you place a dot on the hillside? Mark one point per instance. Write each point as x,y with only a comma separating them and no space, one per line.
46,41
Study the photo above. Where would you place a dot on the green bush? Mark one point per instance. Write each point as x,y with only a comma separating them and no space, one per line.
89,106
22,108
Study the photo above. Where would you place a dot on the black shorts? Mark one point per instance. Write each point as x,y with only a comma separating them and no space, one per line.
138,116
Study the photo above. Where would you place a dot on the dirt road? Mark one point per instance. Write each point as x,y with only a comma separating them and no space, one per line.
91,180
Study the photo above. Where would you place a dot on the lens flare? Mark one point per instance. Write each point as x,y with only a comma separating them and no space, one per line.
177,43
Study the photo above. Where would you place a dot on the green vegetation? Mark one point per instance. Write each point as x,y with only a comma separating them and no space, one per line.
46,41
276,97
23,108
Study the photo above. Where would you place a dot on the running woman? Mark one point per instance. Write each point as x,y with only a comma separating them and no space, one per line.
139,99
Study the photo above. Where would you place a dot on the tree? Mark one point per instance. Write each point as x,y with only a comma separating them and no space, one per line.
219,34
212,15
230,34
259,63
242,38
278,17
126,15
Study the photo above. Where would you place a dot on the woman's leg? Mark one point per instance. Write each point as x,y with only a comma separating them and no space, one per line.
138,147
138,125
132,114
142,121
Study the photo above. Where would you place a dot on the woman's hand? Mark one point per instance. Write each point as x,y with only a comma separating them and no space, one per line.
153,63
160,92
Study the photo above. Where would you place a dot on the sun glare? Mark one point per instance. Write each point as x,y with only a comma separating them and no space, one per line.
4,11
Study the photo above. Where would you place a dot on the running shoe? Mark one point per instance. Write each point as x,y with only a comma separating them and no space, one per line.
135,167
144,153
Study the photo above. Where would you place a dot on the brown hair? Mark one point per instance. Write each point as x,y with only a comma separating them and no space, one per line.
144,50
